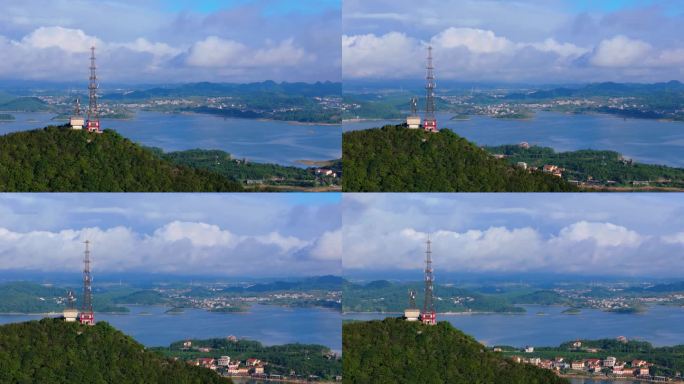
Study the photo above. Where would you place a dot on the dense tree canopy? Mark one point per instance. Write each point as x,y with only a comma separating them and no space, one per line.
397,351
56,159
397,159
53,351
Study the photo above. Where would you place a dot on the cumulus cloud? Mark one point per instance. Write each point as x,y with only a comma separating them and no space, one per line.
176,247
217,52
370,55
66,39
621,51
561,49
328,246
459,53
475,40
603,234
582,247
157,49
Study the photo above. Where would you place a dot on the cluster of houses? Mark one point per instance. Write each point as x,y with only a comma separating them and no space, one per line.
607,366
227,367
224,365
326,172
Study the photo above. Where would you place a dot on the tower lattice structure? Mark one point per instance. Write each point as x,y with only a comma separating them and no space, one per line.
430,121
87,316
429,316
93,124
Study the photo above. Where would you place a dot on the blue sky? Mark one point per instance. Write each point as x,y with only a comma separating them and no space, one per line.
257,235
166,41
535,41
576,234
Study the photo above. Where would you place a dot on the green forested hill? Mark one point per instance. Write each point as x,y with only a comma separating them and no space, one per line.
53,351
397,159
57,159
396,351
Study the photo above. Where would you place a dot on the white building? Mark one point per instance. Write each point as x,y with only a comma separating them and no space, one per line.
223,361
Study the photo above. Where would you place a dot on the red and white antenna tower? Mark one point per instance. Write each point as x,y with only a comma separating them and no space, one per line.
87,316
430,122
428,316
93,124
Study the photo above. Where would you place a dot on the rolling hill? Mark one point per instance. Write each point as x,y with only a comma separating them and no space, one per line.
397,351
53,351
397,159
55,159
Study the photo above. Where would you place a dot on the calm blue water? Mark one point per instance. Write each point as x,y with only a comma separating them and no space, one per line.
644,140
660,326
267,324
257,140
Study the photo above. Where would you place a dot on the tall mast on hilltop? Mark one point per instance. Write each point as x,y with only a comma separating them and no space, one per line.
430,122
429,316
93,124
87,316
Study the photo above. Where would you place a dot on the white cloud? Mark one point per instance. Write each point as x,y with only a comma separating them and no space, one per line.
581,247
66,39
393,54
284,54
328,246
677,238
177,247
156,49
475,40
621,51
459,53
199,234
561,49
604,234
216,52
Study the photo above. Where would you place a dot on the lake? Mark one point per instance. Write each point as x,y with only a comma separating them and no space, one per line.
263,141
271,325
660,325
644,140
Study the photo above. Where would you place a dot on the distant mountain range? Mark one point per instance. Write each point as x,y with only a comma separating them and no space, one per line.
600,89
227,89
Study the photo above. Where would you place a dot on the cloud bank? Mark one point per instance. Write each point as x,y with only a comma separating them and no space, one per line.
522,41
473,235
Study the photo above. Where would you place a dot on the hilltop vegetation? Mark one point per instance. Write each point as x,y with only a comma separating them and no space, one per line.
397,159
53,351
397,351
55,159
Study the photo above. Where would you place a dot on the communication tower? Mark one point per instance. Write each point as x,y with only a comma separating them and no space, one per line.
429,316
430,122
87,314
93,123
